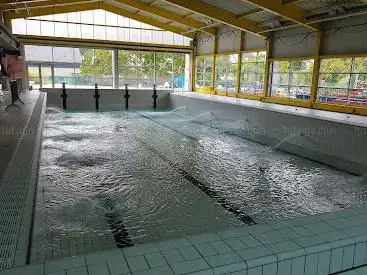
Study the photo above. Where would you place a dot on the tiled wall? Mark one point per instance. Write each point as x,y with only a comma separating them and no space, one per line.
296,130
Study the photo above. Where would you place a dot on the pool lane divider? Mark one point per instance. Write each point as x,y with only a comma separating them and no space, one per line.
206,189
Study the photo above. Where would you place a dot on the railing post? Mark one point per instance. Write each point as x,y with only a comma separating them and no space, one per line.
64,97
126,96
154,96
96,96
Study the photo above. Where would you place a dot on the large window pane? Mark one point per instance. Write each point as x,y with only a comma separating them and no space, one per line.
164,70
145,69
34,77
85,67
96,67
180,75
252,72
96,24
343,81
33,27
87,31
37,54
128,73
204,72
100,32
47,28
19,26
61,29
226,73
292,79
64,73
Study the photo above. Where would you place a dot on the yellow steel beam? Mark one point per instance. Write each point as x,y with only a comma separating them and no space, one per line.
41,4
175,17
52,10
217,14
93,43
239,68
215,49
289,12
267,75
316,68
286,2
144,19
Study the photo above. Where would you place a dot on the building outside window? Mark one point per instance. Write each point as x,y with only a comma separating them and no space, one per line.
226,68
291,79
343,81
252,73
84,67
204,72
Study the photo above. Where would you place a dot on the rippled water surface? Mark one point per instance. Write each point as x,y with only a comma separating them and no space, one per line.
122,178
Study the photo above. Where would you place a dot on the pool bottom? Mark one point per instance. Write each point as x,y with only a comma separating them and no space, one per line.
84,208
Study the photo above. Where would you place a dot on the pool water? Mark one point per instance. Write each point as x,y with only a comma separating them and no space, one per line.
116,179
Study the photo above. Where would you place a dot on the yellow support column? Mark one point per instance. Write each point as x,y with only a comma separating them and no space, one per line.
240,48
269,48
193,66
215,48
7,21
316,68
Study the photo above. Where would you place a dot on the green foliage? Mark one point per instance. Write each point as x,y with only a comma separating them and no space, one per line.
132,64
96,62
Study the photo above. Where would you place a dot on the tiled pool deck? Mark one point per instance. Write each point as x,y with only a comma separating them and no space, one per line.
320,244
18,185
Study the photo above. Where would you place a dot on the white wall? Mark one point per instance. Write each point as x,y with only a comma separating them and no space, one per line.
252,41
352,39
340,36
310,137
297,42
229,40
205,44
111,99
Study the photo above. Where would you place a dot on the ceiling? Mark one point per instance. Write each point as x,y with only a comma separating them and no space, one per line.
190,16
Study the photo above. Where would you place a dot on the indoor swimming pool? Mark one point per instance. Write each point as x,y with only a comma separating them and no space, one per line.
116,179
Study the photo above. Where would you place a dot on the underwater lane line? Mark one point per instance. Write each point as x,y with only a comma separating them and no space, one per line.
207,190
118,229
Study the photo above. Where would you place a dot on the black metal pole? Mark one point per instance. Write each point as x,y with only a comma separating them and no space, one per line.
154,96
126,96
96,96
64,96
